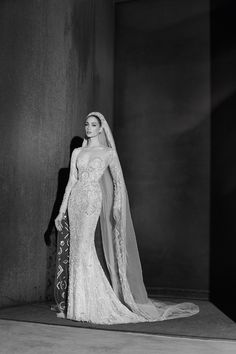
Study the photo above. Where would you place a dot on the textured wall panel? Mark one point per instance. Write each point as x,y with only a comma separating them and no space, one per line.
47,71
162,101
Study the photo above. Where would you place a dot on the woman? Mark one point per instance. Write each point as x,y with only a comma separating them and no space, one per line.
96,188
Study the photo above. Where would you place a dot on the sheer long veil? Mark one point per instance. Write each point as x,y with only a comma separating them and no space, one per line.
120,246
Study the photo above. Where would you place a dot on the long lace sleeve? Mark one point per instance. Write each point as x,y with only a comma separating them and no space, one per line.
117,177
72,180
119,209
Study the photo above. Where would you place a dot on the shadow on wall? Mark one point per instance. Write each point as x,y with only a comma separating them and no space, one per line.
223,220
50,235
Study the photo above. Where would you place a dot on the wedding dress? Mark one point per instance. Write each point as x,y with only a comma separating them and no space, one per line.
96,188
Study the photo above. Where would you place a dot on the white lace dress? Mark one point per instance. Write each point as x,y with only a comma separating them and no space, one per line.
91,298
90,295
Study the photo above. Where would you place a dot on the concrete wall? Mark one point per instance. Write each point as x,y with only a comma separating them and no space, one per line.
162,104
52,62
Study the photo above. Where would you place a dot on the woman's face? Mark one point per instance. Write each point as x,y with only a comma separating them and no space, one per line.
92,127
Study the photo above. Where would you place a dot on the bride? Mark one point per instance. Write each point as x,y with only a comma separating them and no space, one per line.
96,189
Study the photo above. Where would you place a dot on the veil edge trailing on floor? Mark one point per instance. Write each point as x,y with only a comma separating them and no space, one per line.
119,245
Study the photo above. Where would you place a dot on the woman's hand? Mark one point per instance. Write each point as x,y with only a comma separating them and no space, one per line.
116,214
58,221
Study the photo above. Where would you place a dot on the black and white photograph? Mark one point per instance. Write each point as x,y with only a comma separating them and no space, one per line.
117,177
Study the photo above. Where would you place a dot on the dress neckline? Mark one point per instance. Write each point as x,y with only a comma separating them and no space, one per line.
94,148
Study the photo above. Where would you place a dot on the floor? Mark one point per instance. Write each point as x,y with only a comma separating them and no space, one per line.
209,323
33,338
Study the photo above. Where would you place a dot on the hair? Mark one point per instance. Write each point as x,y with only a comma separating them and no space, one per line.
98,119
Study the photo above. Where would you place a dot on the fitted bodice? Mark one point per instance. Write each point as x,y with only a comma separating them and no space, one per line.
90,169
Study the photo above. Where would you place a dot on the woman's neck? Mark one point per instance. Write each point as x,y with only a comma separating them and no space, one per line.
93,142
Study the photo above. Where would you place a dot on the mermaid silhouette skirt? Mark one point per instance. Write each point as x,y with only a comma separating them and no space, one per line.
90,295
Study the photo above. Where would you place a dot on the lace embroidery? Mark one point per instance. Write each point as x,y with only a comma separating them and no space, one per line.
71,182
90,295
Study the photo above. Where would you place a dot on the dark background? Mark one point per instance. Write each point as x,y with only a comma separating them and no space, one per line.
223,156
173,65
162,116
